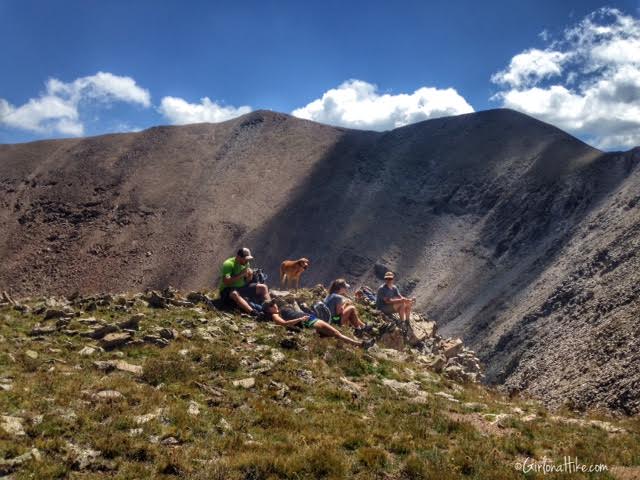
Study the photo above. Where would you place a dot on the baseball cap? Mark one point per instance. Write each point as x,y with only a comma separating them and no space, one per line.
245,253
389,275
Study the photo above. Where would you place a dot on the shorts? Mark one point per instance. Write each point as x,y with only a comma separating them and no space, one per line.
290,314
387,309
248,292
336,319
311,322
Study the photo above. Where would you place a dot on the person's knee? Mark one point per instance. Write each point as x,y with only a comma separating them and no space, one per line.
235,296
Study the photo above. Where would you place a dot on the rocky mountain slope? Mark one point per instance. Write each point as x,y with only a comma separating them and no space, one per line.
510,232
159,385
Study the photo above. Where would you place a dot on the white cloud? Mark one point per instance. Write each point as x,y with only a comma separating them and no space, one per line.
530,67
180,112
357,104
587,82
56,111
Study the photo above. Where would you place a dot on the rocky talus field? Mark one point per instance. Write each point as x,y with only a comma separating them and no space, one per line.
161,384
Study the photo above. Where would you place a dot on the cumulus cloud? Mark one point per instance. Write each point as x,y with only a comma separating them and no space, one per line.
530,67
57,109
180,112
358,104
587,81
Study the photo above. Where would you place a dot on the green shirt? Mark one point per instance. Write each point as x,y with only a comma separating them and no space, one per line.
230,268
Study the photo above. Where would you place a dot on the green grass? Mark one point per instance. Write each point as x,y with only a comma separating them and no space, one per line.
315,429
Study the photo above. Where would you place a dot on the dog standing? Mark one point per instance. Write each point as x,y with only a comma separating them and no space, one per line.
291,270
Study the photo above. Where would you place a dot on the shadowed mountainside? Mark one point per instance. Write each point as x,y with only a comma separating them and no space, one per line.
510,232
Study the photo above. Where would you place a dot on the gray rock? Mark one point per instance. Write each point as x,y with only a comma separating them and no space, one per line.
12,425
38,330
108,395
245,383
133,323
114,340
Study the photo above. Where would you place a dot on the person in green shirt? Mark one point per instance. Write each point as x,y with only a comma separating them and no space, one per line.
237,287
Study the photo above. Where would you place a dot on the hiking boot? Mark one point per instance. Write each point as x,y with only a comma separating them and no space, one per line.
368,328
367,344
358,332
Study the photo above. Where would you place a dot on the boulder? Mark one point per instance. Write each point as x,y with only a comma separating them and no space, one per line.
81,458
107,395
156,340
133,323
419,330
10,464
32,354
100,332
197,297
245,383
392,338
438,363
452,348
113,340
458,374
38,330
193,409
87,351
12,425
168,333
51,313
110,365
156,300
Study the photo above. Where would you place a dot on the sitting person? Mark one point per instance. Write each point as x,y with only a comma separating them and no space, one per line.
237,287
288,317
340,307
389,300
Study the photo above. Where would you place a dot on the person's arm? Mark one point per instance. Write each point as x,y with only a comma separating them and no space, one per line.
340,306
392,300
228,279
286,323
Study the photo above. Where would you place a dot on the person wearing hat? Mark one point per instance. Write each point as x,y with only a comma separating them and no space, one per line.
389,300
342,310
236,286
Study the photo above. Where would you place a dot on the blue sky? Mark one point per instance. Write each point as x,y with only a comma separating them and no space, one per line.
120,66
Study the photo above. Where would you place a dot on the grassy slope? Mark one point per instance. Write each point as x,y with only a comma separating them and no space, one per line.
315,427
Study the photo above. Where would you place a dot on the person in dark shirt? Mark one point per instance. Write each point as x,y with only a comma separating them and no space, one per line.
389,300
342,309
288,317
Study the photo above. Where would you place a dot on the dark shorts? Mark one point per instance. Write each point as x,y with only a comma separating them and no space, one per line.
248,292
290,314
387,309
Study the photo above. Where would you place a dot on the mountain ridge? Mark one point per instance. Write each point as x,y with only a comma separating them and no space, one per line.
482,216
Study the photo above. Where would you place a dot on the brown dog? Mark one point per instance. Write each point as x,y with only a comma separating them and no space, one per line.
290,271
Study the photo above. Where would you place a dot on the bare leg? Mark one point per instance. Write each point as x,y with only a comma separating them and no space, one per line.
350,317
327,330
241,302
263,291
407,309
399,308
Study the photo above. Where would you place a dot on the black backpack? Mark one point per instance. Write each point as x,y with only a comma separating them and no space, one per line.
259,276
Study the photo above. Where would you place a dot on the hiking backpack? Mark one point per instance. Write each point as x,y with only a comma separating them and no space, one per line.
322,311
